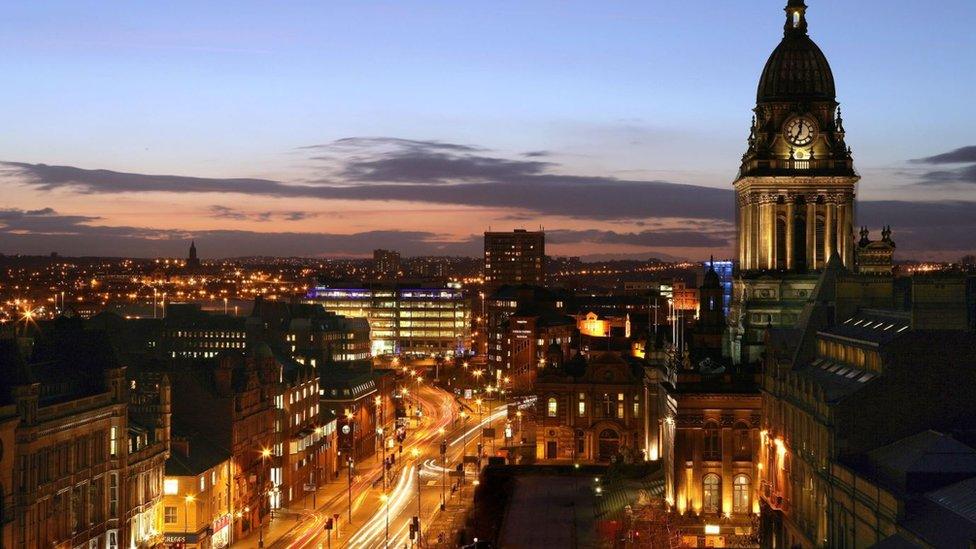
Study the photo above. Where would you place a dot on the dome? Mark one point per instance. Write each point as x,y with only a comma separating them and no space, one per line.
797,69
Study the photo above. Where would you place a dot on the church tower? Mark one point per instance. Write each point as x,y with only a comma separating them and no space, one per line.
795,187
794,191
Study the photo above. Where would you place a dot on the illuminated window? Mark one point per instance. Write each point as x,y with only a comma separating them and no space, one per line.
169,515
713,443
741,503
743,443
711,493
581,406
796,19
113,443
203,483
552,407
171,486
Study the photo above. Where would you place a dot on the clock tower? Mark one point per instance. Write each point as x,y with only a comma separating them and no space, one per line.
795,187
794,191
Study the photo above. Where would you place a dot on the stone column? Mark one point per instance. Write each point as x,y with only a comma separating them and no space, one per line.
830,239
789,233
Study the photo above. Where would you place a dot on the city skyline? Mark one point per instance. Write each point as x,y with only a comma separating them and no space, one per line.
330,131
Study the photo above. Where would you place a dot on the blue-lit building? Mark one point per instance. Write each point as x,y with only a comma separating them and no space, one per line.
404,318
724,270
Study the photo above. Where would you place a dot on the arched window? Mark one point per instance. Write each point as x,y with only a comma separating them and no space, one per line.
743,442
741,497
609,444
713,443
552,407
711,493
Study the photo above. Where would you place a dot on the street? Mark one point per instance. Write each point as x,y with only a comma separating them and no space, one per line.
422,480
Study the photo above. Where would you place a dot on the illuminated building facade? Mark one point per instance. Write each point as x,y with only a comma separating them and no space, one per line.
302,439
502,304
89,443
386,263
725,270
529,336
364,409
196,509
596,409
838,388
413,319
310,334
230,401
517,257
716,448
794,191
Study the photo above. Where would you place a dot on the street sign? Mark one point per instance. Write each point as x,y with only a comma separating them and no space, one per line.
488,432
309,487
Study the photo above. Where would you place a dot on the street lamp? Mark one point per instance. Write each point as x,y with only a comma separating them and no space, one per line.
464,441
186,516
386,503
444,467
416,456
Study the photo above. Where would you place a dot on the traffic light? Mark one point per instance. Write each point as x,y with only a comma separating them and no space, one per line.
328,523
414,527
443,447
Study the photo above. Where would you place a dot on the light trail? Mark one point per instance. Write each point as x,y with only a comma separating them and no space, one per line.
399,498
499,413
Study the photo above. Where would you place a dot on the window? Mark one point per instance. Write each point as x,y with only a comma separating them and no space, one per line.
581,406
552,407
711,493
740,495
636,406
607,406
713,444
743,443
113,495
169,515
203,483
171,486
113,443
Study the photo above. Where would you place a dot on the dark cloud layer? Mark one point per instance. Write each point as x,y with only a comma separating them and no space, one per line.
391,169
964,174
224,212
43,231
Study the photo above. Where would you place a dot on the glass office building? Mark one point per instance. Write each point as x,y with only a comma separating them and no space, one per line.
411,319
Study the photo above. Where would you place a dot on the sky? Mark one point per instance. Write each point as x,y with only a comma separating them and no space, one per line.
333,128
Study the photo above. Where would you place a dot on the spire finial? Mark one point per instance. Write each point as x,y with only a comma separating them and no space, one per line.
796,18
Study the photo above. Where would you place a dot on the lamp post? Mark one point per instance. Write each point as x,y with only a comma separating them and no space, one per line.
416,456
386,504
265,454
186,516
481,419
464,441
443,467
349,462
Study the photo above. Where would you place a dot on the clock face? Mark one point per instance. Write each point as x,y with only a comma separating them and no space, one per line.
800,131
345,429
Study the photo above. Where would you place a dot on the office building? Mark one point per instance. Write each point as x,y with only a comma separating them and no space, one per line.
517,257
404,318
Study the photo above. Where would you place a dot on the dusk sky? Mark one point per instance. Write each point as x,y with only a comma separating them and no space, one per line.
332,128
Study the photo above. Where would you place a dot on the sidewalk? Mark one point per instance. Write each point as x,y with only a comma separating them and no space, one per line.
443,530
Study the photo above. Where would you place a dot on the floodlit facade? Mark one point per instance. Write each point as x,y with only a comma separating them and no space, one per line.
412,319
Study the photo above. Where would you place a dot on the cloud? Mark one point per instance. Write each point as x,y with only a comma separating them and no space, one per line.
40,233
965,174
670,238
961,155
224,212
487,182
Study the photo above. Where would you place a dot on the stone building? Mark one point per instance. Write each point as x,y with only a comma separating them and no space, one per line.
794,192
88,444
592,409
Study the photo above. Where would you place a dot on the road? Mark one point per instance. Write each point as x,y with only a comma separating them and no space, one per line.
422,471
